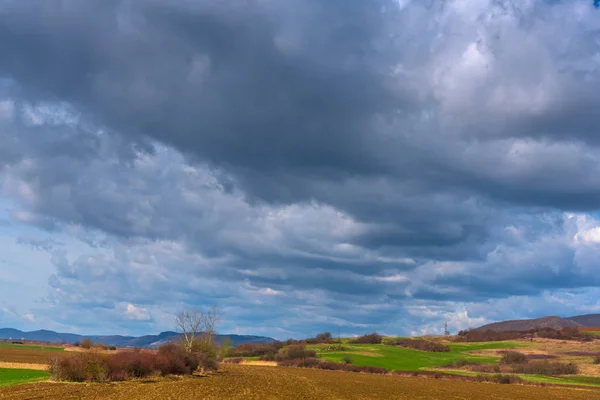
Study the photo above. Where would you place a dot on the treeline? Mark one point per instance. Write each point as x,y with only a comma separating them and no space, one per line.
278,351
419,344
546,333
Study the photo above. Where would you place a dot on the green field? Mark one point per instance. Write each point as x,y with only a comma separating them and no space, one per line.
30,347
595,333
403,359
17,376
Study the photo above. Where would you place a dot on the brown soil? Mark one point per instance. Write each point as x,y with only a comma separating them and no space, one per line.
254,383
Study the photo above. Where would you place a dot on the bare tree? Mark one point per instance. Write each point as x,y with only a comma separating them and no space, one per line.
189,323
197,325
211,319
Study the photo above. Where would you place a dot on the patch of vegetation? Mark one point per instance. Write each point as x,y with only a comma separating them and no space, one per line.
500,378
401,358
419,344
236,360
320,364
30,347
94,367
18,376
372,338
513,357
547,333
294,352
256,350
546,368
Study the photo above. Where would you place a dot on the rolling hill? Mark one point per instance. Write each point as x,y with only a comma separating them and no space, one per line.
592,320
554,322
120,341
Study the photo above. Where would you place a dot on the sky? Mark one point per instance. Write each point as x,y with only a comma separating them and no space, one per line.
305,165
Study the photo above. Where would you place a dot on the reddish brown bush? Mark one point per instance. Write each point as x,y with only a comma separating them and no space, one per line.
321,364
419,344
597,360
546,368
92,367
237,360
84,367
372,338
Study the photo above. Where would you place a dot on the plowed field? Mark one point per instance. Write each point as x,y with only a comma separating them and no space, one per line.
27,355
263,383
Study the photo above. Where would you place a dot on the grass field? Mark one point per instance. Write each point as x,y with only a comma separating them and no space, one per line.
19,376
399,358
254,383
4,345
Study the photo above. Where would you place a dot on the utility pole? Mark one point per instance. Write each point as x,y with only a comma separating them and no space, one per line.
446,333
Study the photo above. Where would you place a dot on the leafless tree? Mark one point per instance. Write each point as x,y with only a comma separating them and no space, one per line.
189,323
196,325
211,319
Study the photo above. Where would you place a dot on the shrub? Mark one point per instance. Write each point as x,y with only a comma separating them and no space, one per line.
112,348
328,365
333,347
488,368
513,357
87,343
324,337
546,368
255,349
458,364
206,353
347,360
372,338
597,360
419,344
237,360
487,336
499,378
294,352
92,367
78,368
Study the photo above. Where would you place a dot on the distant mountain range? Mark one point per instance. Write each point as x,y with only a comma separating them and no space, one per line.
120,341
589,320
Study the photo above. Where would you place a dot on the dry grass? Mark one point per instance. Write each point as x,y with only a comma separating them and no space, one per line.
36,367
253,383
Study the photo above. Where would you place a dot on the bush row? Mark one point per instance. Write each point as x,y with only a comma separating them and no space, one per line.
256,349
321,364
547,333
372,338
546,368
513,357
94,367
419,344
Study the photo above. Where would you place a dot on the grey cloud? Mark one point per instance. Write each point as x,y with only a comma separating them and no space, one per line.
361,152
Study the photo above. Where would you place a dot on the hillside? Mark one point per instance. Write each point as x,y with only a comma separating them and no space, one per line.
120,341
529,324
592,320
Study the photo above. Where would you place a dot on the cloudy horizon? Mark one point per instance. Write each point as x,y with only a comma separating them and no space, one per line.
307,165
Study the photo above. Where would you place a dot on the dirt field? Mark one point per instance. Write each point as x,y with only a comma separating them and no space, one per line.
255,382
